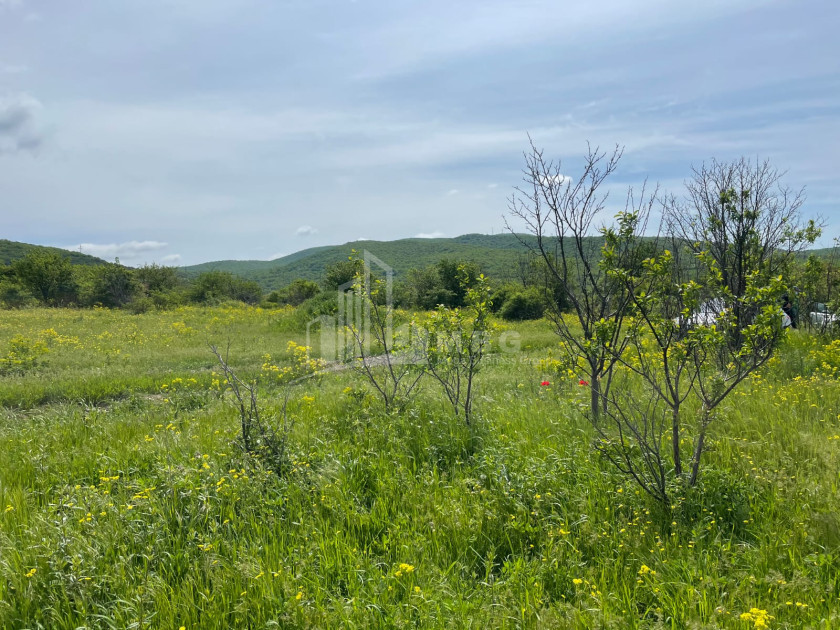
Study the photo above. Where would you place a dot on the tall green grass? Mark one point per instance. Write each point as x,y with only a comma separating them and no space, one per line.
123,505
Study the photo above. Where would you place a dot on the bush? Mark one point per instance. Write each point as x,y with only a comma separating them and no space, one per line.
13,295
342,273
501,294
140,305
157,279
295,294
213,287
528,304
48,276
438,284
322,304
112,285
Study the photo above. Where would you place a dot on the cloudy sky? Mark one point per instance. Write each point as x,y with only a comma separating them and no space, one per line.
181,131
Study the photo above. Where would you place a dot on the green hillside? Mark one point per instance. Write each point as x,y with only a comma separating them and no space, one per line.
11,251
497,255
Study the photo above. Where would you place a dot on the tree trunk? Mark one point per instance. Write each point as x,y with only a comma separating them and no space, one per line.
675,440
698,449
595,398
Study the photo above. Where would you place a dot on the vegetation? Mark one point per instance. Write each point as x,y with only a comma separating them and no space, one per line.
496,256
126,499
539,474
590,303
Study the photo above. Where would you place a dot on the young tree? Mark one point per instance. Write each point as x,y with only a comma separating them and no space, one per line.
741,215
455,342
385,356
683,355
561,213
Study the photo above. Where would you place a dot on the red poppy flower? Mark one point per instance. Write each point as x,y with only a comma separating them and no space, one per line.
582,382
545,383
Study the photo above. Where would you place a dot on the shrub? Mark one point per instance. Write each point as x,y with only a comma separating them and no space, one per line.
296,293
528,304
140,305
49,276
112,285
501,294
13,295
213,287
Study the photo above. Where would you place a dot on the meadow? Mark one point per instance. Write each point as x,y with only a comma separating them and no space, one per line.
125,502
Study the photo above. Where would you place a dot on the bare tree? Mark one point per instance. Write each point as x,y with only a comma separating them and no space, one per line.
394,372
561,213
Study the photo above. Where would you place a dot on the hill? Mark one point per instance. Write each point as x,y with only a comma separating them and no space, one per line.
497,255
11,251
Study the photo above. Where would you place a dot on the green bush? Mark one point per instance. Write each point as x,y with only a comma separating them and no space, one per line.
49,276
528,304
13,295
501,294
213,287
295,294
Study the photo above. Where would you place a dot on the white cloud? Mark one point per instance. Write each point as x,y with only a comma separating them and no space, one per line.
492,185
306,230
452,192
430,235
558,179
171,259
128,251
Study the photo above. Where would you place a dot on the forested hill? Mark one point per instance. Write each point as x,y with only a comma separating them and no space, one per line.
11,251
497,255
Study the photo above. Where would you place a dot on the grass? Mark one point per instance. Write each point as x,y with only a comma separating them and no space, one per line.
124,503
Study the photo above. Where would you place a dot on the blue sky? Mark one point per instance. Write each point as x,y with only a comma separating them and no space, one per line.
181,131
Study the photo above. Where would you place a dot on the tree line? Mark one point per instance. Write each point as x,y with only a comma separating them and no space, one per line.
47,278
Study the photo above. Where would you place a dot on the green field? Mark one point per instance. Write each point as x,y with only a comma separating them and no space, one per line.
125,503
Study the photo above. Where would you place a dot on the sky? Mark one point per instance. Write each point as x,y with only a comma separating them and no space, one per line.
185,131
